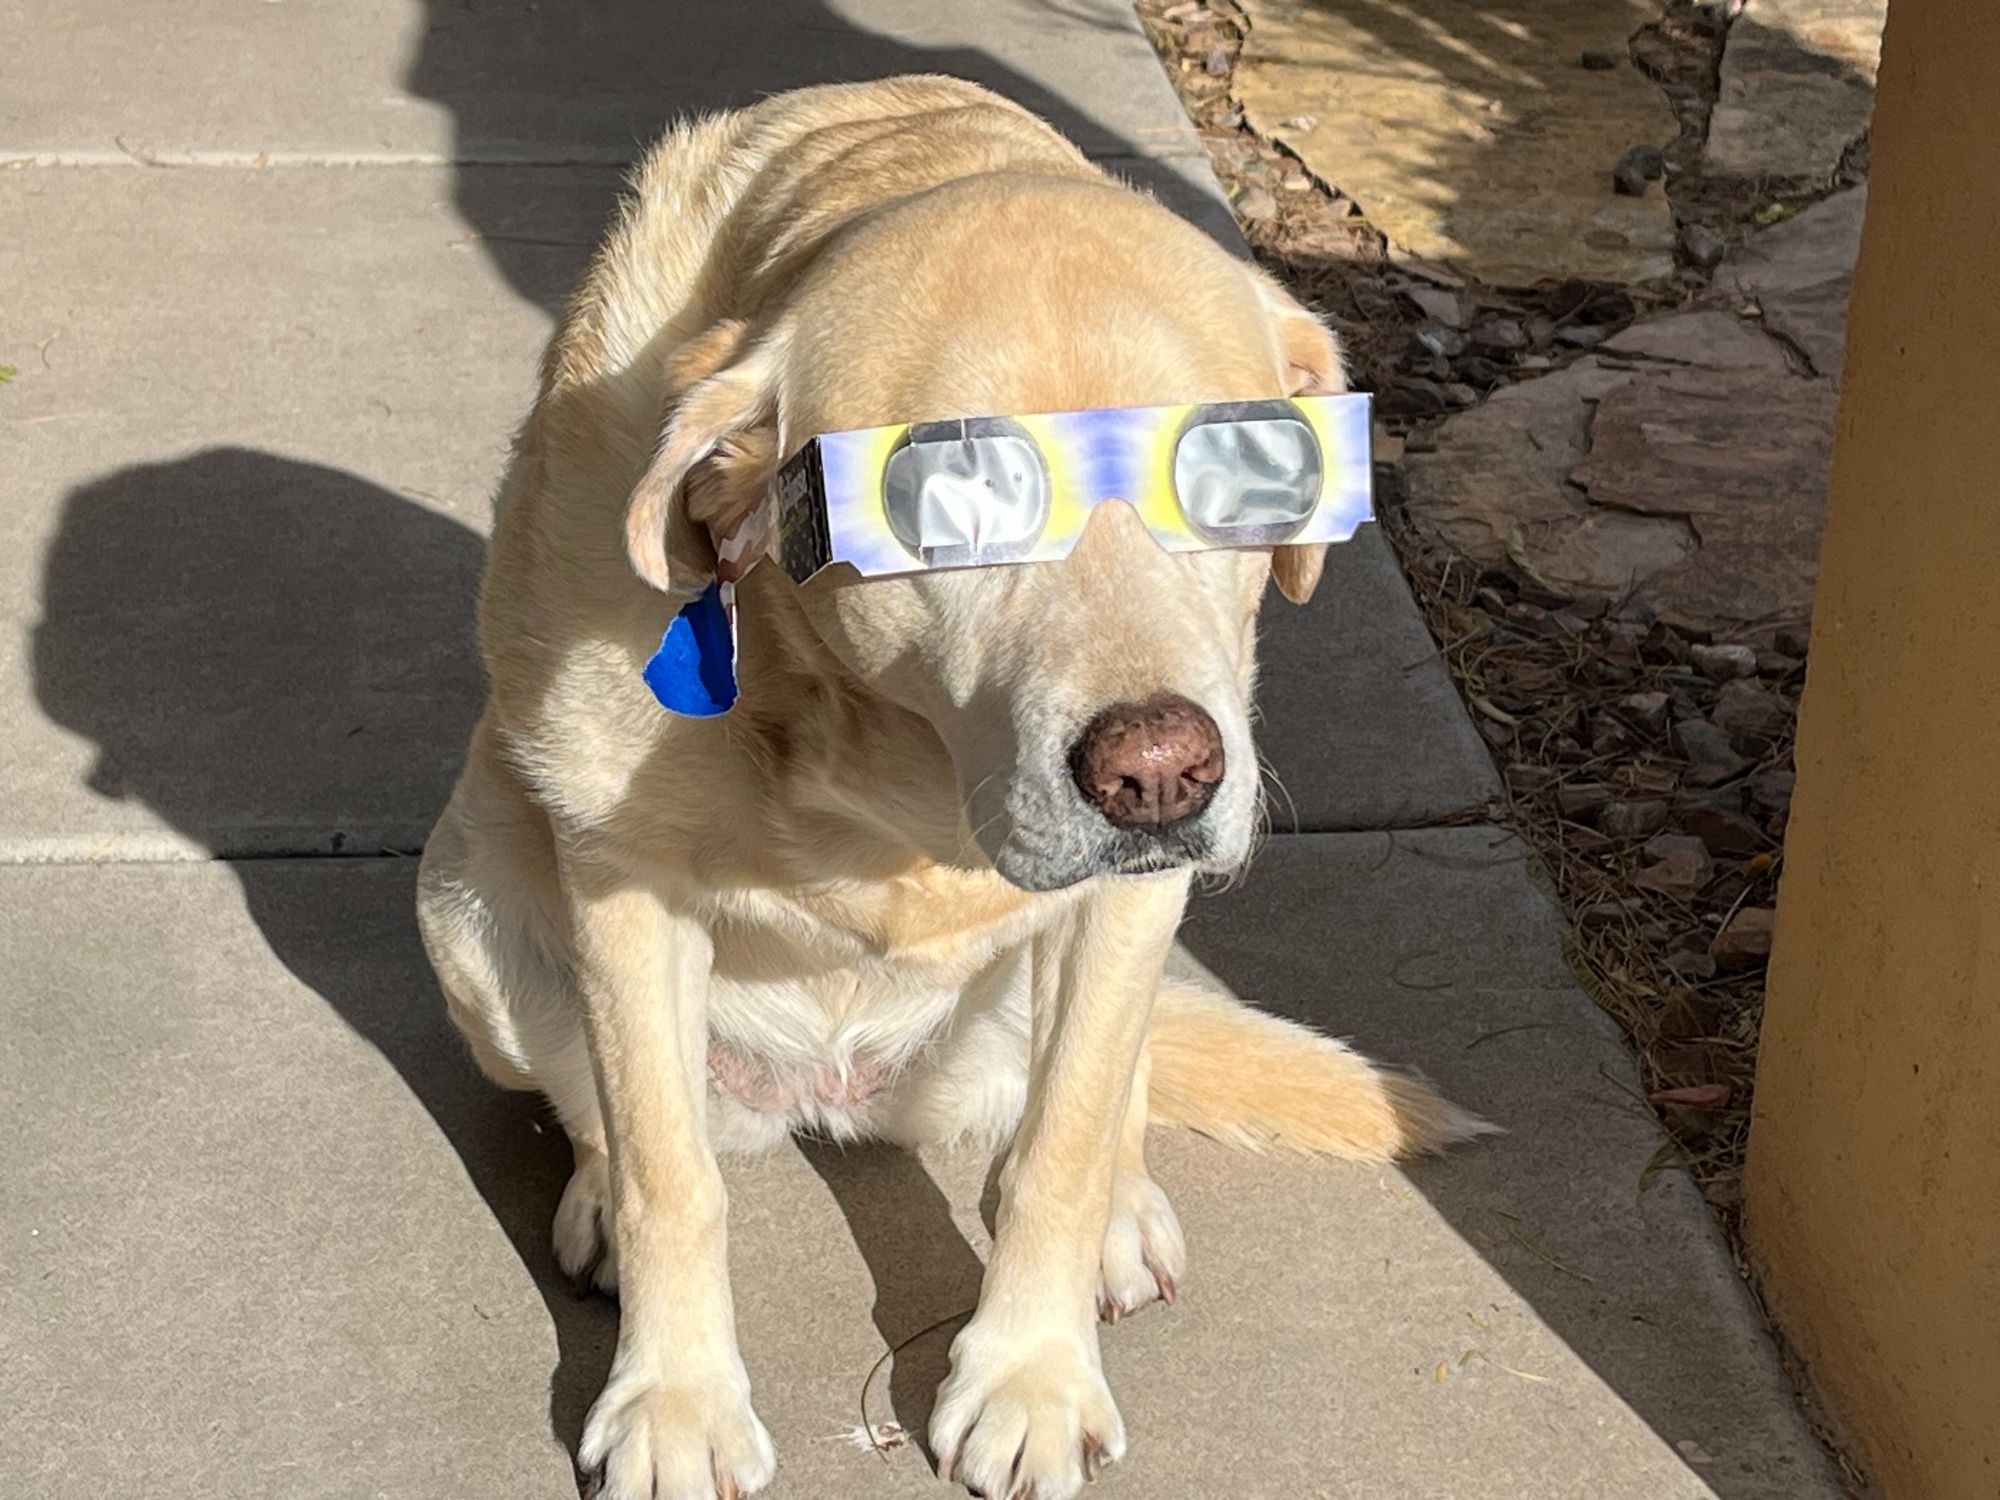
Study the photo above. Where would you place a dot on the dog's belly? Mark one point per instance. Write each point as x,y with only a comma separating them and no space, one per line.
764,1083
861,1052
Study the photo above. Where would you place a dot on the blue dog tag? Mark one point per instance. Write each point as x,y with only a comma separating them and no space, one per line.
694,671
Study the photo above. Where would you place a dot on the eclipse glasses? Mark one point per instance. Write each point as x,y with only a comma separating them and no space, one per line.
978,491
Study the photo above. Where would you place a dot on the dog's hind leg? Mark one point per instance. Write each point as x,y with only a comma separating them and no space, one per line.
486,904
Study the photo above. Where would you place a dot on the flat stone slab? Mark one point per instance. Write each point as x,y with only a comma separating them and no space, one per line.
257,419
1796,87
268,1233
1684,466
1471,136
1797,273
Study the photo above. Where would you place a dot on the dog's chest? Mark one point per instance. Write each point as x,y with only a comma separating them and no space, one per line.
933,927
839,987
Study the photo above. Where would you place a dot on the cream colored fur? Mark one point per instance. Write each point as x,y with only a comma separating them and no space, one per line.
696,936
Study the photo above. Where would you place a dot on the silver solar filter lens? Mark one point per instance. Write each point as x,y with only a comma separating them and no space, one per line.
1248,474
958,494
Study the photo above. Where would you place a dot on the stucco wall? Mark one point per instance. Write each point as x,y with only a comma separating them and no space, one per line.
1873,1189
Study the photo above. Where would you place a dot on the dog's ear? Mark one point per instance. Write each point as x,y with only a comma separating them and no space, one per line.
1313,367
689,517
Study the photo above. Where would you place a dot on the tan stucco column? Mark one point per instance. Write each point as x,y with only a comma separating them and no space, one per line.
1873,1189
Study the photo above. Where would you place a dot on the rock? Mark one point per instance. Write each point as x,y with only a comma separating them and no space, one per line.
1687,1015
1795,87
1693,967
1746,942
1436,339
1523,778
1597,60
1772,790
1680,866
1581,801
1609,673
1460,394
1711,339
1374,301
1630,820
1477,370
1736,456
1255,204
1414,397
1215,62
1662,643
1792,640
1724,662
1749,709
1608,736
1646,711
1701,247
1670,843
1636,168
1733,799
1729,834
1499,335
1776,664
1603,913
1710,756
1582,335
1440,305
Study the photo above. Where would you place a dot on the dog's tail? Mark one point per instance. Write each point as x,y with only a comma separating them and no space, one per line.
1252,1080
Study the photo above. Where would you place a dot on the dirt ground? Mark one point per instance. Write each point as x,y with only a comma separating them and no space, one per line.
1647,753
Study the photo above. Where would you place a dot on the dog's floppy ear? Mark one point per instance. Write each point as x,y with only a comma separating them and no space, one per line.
708,481
1312,368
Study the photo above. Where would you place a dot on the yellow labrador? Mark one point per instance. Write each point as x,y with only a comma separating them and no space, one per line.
922,883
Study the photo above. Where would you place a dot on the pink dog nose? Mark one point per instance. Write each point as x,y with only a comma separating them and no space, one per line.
1151,764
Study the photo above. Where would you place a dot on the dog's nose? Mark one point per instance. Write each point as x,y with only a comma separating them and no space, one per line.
1151,764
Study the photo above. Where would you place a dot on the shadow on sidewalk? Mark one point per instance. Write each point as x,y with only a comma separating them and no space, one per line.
599,83
243,636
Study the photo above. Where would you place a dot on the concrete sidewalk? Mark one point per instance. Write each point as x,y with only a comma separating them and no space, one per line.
275,281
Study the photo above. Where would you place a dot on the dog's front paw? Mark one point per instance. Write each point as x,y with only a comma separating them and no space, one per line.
1024,1420
1145,1256
650,1438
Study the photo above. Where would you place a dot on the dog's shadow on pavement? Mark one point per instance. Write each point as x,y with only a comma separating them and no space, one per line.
255,645
262,651
554,83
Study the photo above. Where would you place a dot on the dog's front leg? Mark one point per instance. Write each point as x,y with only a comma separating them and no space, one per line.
1025,1411
674,1421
